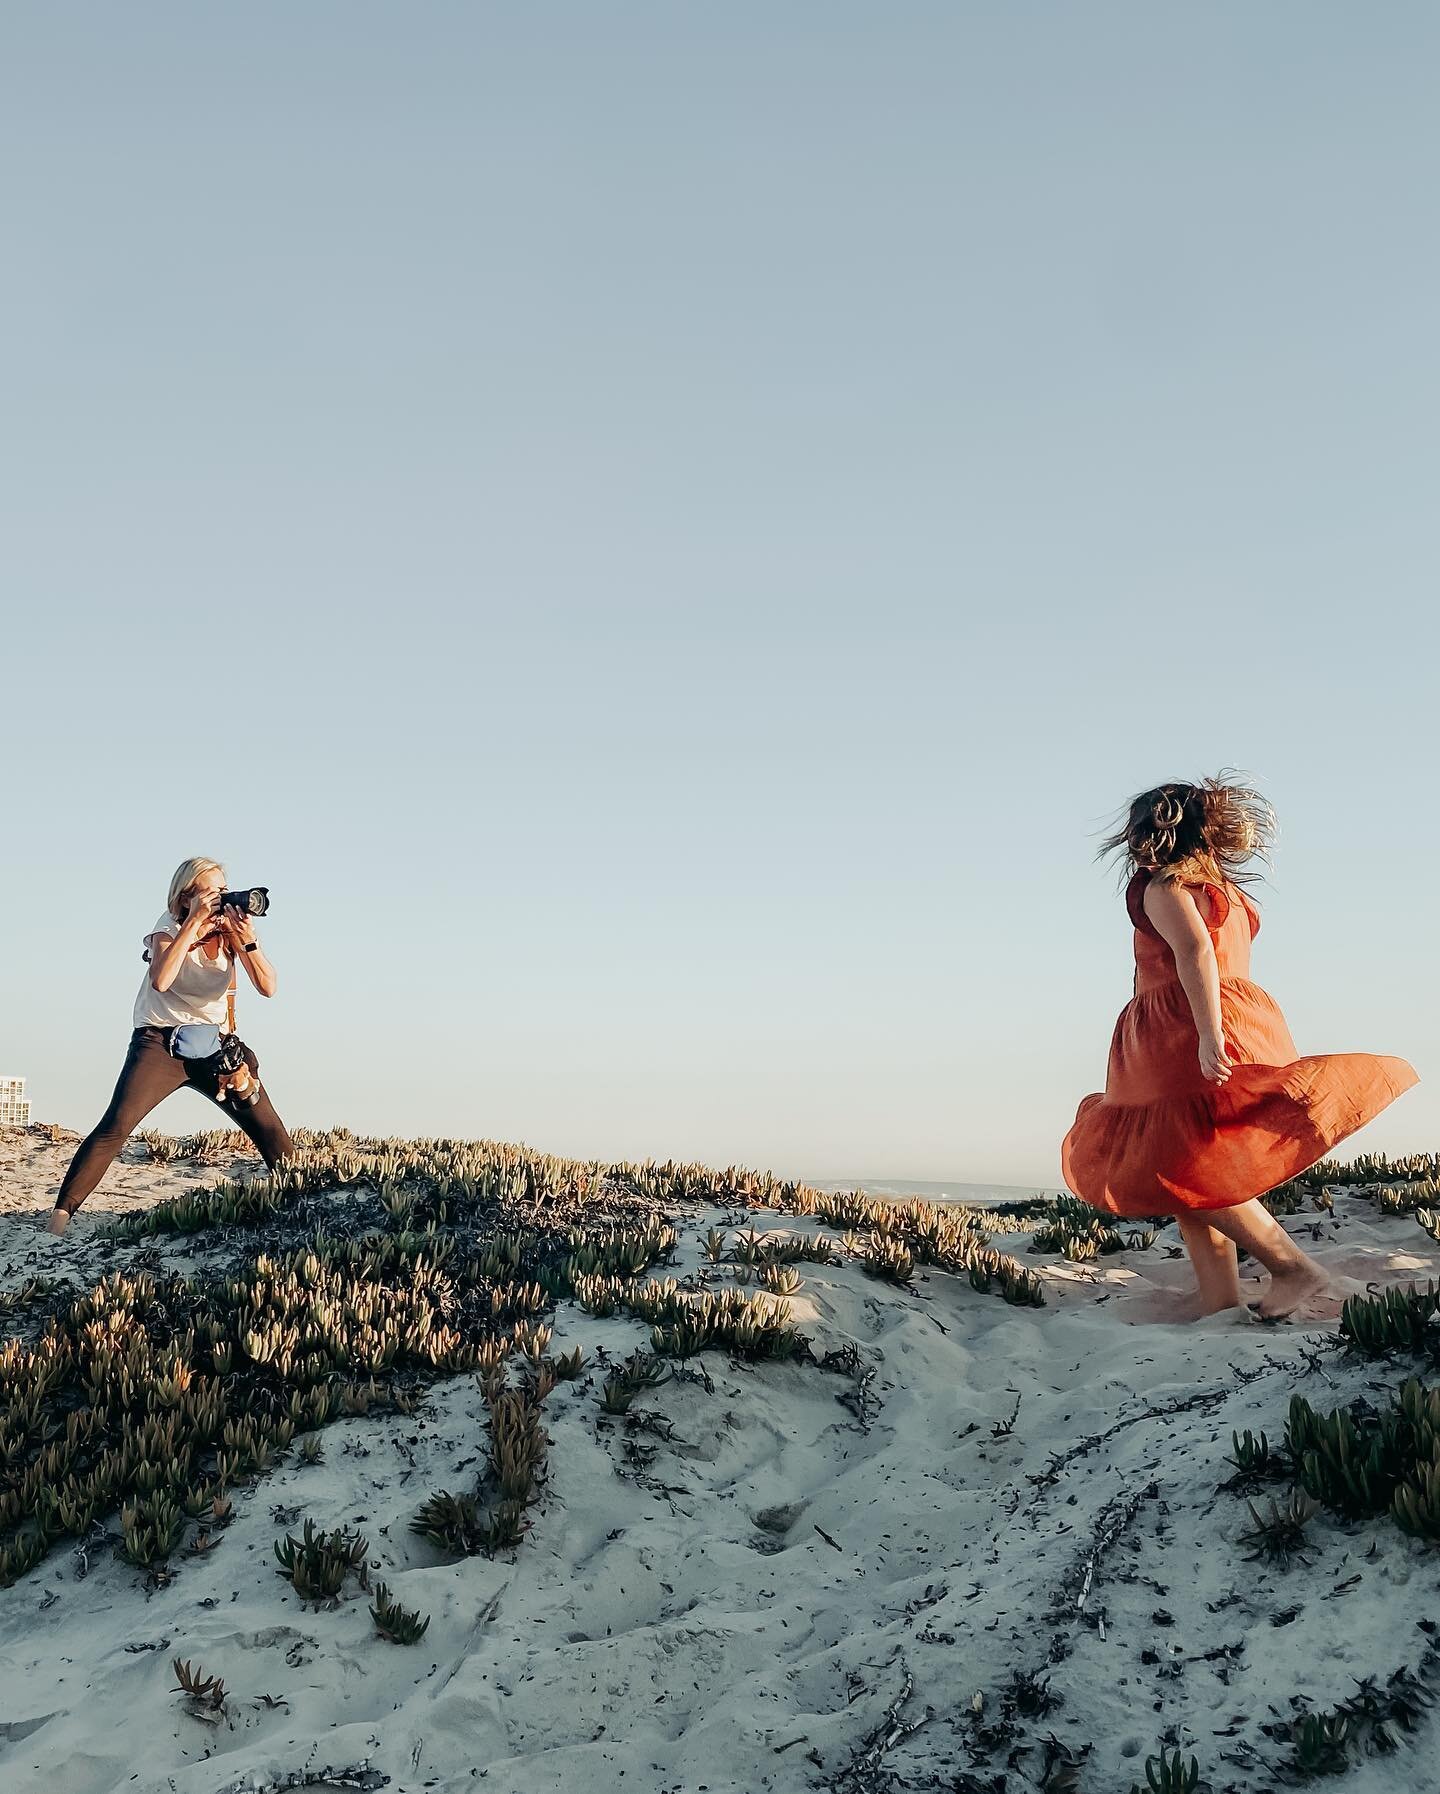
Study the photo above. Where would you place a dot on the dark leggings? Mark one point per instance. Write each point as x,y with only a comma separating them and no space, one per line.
148,1076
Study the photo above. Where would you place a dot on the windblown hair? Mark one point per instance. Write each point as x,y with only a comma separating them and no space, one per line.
1184,833
182,885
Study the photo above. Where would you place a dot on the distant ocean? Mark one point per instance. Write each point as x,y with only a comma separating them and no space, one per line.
978,1194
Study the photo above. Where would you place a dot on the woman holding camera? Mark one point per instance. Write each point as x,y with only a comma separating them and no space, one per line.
191,952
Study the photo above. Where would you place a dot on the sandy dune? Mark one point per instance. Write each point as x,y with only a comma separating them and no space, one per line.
750,1582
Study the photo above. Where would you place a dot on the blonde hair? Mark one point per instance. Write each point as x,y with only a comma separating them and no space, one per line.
182,885
1185,833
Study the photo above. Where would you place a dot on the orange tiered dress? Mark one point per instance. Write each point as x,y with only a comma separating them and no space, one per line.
1161,1138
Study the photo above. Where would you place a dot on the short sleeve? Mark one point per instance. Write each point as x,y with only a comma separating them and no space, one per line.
1216,895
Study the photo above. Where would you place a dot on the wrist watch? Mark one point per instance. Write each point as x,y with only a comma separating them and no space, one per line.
252,946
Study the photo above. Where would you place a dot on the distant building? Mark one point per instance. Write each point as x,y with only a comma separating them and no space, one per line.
14,1104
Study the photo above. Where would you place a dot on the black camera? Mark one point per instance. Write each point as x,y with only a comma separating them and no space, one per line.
233,1077
254,902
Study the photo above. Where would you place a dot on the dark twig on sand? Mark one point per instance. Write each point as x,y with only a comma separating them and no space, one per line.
859,1398
360,1775
862,1774
1001,1428
1204,1400
1114,1520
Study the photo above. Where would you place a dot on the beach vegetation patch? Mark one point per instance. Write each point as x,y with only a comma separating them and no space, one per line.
1395,1320
1080,1233
413,1188
1375,1720
1372,1168
212,1147
1406,1198
1358,1461
153,1395
493,1516
886,1257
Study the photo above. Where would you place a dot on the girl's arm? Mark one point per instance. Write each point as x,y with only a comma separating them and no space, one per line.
167,951
1177,919
239,931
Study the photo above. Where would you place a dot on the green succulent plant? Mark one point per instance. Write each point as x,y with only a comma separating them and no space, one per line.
152,1529
890,1259
641,1371
517,1443
1322,1745
1256,1461
1350,1464
504,1527
400,1625
452,1522
1080,1233
318,1563
1169,1773
1396,1320
617,1395
782,1279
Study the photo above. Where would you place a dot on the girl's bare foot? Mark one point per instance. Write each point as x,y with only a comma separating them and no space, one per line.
1305,1286
59,1221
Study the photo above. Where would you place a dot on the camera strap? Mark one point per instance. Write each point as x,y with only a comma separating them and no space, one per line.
230,1000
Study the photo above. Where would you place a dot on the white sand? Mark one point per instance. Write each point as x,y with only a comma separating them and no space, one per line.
680,1619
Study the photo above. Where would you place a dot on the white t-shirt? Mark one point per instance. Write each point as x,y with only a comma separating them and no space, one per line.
198,993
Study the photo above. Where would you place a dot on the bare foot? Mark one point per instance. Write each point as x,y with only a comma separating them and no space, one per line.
59,1221
1305,1287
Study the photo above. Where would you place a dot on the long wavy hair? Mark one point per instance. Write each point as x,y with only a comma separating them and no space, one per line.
1192,833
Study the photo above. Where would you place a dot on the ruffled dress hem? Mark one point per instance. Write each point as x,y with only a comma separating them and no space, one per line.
1224,1146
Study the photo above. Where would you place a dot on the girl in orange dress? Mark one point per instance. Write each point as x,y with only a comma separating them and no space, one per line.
1207,1104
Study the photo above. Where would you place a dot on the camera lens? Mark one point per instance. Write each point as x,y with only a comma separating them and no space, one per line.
254,902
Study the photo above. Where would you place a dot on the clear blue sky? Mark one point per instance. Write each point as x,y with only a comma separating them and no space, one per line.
664,531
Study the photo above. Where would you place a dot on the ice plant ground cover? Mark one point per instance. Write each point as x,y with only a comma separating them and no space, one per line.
442,1457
